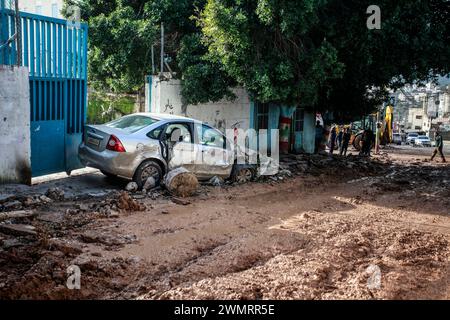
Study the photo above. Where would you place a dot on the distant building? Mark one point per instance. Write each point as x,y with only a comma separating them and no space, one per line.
50,8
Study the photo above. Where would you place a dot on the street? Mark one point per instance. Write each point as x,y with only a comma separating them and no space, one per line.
332,228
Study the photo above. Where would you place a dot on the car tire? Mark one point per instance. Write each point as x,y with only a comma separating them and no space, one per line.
147,169
109,175
243,173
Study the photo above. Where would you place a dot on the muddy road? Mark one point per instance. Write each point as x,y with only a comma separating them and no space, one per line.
381,231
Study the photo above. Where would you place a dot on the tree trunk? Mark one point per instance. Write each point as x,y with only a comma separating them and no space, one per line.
180,182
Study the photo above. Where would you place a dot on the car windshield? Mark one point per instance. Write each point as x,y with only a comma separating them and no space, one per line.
131,123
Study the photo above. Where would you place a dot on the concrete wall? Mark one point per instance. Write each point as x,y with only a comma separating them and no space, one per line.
15,163
224,114
309,132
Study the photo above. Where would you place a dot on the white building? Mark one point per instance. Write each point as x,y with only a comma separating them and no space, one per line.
50,8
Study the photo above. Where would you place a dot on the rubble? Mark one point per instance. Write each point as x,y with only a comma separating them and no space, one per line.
131,187
18,229
215,181
55,194
16,214
149,184
180,201
127,203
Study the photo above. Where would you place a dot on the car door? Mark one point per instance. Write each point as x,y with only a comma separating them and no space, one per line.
180,150
217,157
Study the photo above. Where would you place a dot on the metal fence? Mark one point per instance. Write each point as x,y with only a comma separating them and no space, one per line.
55,52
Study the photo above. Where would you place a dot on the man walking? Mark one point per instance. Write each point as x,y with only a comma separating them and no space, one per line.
439,146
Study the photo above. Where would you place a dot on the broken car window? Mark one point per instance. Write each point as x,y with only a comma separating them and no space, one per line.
131,124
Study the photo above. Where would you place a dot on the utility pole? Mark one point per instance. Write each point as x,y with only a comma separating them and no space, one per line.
18,35
162,49
153,59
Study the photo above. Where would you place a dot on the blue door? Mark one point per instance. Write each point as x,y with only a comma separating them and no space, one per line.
55,51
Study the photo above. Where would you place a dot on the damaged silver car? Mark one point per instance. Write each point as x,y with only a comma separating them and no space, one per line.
144,145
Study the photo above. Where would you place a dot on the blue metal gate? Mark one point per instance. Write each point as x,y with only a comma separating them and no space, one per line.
55,51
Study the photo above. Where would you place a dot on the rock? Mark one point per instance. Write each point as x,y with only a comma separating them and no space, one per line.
55,194
11,243
149,184
45,199
165,212
180,201
215,181
18,229
12,205
82,207
127,203
28,201
65,247
56,218
132,187
113,214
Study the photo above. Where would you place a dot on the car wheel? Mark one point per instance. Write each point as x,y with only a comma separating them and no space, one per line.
242,174
109,175
146,170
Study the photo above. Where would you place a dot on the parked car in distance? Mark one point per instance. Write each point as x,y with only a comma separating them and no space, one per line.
144,145
410,138
422,141
397,138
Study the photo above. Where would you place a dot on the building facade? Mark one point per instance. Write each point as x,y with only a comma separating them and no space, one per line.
50,8
241,113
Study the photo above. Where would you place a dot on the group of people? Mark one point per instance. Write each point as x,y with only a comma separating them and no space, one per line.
338,136
341,137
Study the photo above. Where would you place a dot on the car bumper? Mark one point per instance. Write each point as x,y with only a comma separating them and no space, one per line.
107,160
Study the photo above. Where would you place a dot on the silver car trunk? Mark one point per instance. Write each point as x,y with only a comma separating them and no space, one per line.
97,136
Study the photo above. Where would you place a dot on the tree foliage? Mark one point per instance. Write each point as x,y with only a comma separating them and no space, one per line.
320,54
313,53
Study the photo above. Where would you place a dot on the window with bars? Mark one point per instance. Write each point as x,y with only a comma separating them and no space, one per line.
262,116
299,119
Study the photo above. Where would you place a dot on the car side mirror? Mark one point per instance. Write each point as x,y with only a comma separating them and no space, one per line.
213,139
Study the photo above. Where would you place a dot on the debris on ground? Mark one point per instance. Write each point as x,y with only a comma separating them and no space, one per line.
150,183
132,187
180,201
55,194
180,182
215,181
18,229
127,203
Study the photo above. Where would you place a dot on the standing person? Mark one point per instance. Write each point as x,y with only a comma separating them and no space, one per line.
345,141
369,141
439,146
363,143
339,137
319,136
332,139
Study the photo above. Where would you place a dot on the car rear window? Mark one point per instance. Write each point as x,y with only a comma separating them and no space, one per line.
132,124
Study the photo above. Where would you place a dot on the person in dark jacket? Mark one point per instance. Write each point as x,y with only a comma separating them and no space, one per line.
319,136
345,141
439,146
333,135
339,137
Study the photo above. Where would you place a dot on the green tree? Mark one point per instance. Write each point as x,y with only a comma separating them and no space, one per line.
122,32
321,55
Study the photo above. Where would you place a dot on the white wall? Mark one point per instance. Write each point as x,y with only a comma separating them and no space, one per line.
166,98
15,163
31,6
